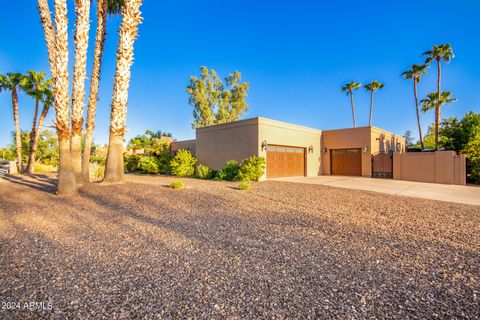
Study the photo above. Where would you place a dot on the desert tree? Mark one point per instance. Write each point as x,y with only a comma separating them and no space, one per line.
215,102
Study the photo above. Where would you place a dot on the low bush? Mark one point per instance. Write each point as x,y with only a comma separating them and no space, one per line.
229,172
177,184
97,170
183,164
149,164
131,163
204,172
43,168
244,186
251,169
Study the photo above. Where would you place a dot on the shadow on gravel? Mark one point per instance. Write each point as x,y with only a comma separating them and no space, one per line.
40,183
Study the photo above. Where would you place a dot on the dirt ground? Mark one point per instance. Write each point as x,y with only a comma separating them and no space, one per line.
281,250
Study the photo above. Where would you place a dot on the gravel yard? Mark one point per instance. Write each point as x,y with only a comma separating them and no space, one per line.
282,250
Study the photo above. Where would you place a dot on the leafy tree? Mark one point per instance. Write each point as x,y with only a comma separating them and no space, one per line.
461,135
215,103
438,53
348,88
372,87
415,73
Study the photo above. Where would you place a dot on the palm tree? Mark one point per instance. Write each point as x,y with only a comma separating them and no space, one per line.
82,27
348,88
372,87
438,53
35,86
103,7
66,176
431,100
12,82
114,170
415,73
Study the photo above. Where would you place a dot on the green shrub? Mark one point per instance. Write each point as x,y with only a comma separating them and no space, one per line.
183,164
131,163
251,169
177,184
204,172
149,164
244,186
229,172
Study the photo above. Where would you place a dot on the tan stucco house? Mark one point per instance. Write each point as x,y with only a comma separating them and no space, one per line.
292,150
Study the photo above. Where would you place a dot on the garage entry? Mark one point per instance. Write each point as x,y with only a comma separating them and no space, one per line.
346,162
285,161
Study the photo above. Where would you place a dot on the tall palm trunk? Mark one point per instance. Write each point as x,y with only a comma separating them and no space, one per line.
46,19
66,176
437,108
18,138
353,109
94,84
82,24
415,81
114,171
34,142
33,133
371,107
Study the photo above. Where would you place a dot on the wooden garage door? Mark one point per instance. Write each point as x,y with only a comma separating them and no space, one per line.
285,162
346,162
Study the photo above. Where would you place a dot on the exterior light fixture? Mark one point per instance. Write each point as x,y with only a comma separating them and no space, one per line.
365,148
310,149
325,149
264,145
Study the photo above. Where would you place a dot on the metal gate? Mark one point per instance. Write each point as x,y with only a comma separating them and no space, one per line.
382,165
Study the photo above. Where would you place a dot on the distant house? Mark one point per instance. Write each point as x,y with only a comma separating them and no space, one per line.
292,150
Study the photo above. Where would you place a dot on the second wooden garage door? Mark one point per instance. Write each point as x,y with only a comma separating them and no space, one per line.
346,162
285,162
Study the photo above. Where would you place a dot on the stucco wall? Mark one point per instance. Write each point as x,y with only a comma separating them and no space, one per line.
435,167
374,139
286,134
184,144
217,144
350,138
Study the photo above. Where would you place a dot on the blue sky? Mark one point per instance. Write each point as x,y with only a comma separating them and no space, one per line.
295,54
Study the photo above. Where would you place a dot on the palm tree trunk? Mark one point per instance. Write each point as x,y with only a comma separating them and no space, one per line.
18,138
437,109
46,19
353,109
114,171
31,153
82,26
94,85
33,144
66,176
371,108
418,112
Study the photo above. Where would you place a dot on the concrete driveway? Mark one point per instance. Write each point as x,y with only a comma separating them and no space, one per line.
443,192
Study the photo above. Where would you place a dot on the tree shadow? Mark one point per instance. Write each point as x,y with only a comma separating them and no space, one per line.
40,184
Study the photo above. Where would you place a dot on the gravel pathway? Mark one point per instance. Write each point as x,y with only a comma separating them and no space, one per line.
282,250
